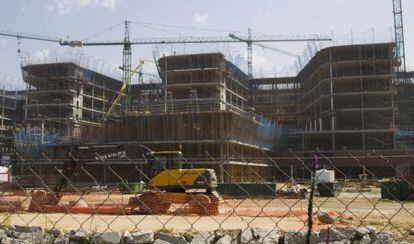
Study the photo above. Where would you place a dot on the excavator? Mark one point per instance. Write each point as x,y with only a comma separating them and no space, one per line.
169,177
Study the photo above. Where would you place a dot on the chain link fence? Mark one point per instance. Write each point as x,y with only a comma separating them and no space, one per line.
290,199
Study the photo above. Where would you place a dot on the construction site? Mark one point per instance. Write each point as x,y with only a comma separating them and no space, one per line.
83,140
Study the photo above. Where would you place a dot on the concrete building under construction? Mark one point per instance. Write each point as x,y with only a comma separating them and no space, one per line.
67,99
345,98
203,108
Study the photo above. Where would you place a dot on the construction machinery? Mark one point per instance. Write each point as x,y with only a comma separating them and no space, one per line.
169,177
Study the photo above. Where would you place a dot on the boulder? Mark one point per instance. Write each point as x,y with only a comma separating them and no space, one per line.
27,229
331,234
79,236
259,235
10,240
365,230
46,239
159,241
226,240
204,238
189,236
61,240
325,218
139,237
107,237
170,238
299,237
56,232
383,238
363,240
349,232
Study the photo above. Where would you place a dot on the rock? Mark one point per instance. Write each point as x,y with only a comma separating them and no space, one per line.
362,231
46,239
364,240
30,234
139,237
159,241
225,240
79,236
233,233
107,237
56,232
61,240
9,240
26,229
204,238
325,218
337,242
349,232
23,234
331,234
34,238
383,238
174,239
295,237
3,234
189,236
259,235
411,232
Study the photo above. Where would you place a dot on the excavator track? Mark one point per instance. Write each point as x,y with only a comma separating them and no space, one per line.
42,198
151,203
160,203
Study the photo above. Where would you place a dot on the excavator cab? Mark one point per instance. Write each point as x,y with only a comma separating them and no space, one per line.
168,159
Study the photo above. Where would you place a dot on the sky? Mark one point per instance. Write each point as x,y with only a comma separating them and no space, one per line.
101,20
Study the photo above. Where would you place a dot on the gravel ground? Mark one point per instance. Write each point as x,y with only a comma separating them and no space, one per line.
359,209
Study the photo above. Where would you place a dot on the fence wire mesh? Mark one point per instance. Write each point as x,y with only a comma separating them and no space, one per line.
117,192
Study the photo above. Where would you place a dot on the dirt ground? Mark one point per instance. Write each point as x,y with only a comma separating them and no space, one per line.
355,208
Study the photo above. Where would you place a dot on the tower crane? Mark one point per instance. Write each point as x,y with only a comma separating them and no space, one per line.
20,36
232,38
127,44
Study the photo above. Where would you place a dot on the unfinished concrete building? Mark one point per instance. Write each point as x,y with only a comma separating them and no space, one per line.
278,100
65,98
10,102
202,108
347,99
210,110
405,110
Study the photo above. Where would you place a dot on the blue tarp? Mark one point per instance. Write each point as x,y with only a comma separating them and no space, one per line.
405,135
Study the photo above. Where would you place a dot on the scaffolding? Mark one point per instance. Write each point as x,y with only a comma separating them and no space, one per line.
347,98
10,109
202,105
65,99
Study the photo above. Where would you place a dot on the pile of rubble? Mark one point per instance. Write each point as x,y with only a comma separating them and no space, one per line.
343,235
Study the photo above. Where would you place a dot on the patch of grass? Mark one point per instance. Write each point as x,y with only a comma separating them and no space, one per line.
165,230
5,220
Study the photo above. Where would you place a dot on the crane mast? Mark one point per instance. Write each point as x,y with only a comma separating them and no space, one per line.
126,63
399,37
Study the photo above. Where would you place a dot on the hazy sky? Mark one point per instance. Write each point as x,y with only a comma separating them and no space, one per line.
92,19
